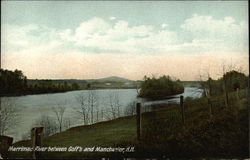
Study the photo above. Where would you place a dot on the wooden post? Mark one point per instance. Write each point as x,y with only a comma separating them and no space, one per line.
138,120
182,109
247,91
36,138
225,92
0,103
238,104
210,106
5,143
208,95
238,96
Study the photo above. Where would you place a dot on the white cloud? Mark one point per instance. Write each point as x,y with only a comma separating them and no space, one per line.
164,25
204,33
16,35
217,34
43,52
112,18
121,37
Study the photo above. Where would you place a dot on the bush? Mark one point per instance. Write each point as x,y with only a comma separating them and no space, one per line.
160,88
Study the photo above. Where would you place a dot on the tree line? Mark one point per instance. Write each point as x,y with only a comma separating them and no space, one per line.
161,87
230,81
16,83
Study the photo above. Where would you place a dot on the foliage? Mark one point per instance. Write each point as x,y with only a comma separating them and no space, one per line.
160,88
15,83
232,79
235,80
225,135
12,82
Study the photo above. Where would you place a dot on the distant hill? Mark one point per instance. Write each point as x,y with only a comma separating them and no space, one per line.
107,82
111,79
32,81
114,78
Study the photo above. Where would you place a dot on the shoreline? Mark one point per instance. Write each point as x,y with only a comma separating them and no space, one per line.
24,94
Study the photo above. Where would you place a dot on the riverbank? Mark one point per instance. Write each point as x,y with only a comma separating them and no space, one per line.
25,94
193,84
222,135
97,88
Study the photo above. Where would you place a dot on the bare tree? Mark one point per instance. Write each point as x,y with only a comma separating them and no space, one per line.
8,115
130,109
83,109
59,112
92,101
117,105
67,123
102,114
114,106
48,123
97,112
88,106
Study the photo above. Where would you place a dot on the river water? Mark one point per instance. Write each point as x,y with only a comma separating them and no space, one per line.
31,107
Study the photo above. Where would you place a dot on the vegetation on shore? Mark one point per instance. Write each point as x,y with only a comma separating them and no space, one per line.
216,126
16,83
224,135
162,87
230,80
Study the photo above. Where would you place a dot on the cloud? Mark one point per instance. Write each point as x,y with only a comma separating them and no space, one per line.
164,25
122,38
123,49
18,38
197,34
94,34
216,34
112,18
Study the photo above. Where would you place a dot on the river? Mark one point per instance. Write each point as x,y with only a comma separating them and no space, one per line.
31,107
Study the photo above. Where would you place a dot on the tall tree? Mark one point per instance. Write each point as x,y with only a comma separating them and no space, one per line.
59,112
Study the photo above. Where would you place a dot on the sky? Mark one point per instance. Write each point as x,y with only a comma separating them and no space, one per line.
130,39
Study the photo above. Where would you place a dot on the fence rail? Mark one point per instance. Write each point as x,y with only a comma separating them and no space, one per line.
209,105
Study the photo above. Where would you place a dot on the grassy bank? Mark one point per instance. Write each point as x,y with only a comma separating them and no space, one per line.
222,135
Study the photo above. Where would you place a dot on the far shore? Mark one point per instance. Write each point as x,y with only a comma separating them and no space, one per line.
25,94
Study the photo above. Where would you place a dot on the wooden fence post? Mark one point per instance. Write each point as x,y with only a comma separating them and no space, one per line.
225,94
210,106
238,107
36,138
138,120
182,109
238,96
209,102
5,143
